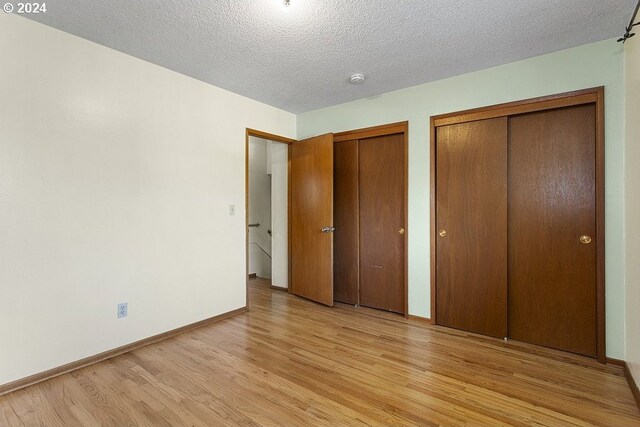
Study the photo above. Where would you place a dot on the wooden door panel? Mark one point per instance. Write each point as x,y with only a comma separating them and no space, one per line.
311,210
552,275
471,206
381,176
346,220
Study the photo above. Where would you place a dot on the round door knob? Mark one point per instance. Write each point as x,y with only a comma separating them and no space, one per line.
585,239
401,231
442,233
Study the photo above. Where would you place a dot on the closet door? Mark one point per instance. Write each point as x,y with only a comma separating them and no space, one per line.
552,225
382,234
471,218
346,267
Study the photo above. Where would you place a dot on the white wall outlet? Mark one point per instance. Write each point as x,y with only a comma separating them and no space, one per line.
123,310
232,210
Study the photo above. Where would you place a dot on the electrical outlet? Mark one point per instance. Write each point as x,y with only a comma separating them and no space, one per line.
123,310
232,210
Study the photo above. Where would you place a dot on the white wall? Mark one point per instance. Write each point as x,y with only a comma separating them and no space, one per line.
259,208
116,177
632,203
279,214
598,64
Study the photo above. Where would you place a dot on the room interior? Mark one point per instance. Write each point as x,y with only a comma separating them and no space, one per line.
451,231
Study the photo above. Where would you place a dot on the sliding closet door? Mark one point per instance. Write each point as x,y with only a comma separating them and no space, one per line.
552,226
471,209
346,266
382,234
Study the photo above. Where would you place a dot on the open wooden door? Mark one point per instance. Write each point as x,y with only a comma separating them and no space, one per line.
312,218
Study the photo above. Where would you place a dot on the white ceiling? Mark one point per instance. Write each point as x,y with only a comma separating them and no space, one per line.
300,60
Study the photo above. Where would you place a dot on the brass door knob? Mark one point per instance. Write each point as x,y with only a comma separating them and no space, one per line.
585,239
401,231
442,233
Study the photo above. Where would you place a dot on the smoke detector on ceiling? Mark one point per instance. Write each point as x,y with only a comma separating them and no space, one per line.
356,79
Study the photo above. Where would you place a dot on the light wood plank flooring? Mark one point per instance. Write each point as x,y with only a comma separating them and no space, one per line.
291,362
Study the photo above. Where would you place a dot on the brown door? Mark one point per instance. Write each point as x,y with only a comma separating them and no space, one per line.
346,220
381,176
312,218
552,273
471,209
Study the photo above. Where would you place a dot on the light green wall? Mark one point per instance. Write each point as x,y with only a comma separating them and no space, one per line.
597,64
632,203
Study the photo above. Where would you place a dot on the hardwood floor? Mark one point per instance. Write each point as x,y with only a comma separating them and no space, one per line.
291,362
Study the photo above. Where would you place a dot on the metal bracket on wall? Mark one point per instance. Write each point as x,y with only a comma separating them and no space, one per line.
628,34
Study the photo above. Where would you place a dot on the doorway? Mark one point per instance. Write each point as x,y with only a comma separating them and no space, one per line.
267,209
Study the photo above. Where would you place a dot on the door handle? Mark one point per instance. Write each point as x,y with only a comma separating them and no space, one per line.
328,229
442,233
585,239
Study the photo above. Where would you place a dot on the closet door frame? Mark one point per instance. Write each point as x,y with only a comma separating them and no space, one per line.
586,96
382,130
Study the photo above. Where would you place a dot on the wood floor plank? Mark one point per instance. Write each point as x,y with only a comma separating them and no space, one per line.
285,395
291,362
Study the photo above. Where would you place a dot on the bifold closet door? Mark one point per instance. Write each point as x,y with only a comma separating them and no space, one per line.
346,266
382,234
471,210
552,225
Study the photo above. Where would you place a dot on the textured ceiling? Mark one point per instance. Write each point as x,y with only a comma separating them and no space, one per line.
300,60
